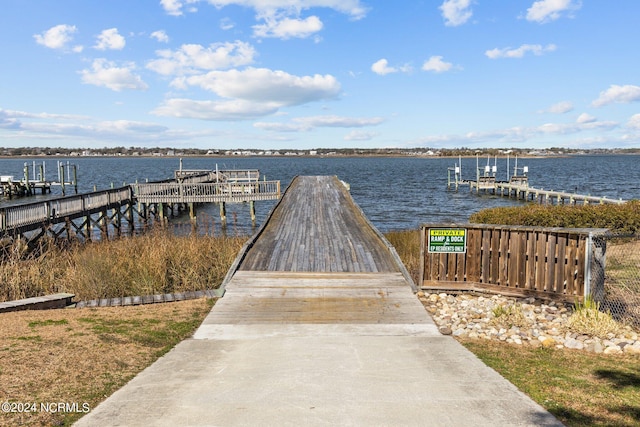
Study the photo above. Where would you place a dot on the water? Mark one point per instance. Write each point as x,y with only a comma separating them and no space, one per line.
395,193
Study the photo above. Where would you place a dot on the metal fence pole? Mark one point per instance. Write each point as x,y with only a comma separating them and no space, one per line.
587,266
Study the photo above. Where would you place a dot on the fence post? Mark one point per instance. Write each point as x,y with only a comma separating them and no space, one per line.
423,236
595,267
587,266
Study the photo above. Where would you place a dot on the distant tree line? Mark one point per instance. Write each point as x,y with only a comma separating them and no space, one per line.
417,151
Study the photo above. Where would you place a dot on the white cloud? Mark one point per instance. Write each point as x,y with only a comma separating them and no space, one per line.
57,37
305,124
542,11
560,108
227,24
174,7
585,118
381,67
265,85
287,28
279,127
519,52
110,40
160,36
107,74
456,12
129,126
48,127
280,18
634,122
250,93
436,64
191,58
618,94
237,109
570,128
353,8
518,134
358,135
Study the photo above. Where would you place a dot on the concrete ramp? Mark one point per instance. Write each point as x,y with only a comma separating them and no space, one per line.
319,326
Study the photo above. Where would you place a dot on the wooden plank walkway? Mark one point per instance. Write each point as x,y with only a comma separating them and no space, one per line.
324,346
317,227
317,298
317,260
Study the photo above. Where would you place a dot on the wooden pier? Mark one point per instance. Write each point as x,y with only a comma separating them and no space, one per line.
517,187
317,259
35,181
71,215
192,187
118,210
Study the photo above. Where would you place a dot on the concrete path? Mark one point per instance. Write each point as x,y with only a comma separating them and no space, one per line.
318,327
318,374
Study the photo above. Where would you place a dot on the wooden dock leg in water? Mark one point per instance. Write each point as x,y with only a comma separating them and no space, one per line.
87,229
252,207
223,213
129,214
116,221
192,212
161,214
104,225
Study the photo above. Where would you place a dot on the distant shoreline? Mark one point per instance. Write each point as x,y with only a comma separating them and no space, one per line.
329,156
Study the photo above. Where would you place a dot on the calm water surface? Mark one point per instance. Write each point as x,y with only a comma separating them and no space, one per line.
394,193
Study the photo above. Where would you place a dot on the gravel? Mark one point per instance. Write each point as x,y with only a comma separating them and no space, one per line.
520,321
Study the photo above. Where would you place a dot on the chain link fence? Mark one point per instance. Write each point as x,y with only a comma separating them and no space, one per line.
616,282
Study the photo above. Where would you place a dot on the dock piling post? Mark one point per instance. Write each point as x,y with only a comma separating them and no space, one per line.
192,212
252,207
61,176
223,213
26,179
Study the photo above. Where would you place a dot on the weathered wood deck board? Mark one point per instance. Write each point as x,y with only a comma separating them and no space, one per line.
317,261
318,228
317,298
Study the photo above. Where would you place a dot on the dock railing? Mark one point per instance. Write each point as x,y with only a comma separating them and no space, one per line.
231,192
37,213
552,263
222,175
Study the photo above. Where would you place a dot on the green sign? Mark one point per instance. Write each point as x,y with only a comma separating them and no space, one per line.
447,240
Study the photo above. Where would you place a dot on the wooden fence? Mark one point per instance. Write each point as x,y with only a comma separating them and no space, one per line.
552,263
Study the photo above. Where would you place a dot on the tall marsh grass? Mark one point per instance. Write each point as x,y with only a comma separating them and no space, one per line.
155,262
407,245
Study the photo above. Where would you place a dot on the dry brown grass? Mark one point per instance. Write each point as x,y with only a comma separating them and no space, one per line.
407,245
84,355
156,262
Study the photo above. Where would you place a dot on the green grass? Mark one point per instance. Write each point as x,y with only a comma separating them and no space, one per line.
48,322
579,388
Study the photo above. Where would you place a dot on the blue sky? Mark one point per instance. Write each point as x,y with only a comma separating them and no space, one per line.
320,73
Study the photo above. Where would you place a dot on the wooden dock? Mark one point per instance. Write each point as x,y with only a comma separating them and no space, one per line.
318,228
34,181
325,346
317,260
524,192
135,204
